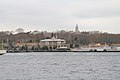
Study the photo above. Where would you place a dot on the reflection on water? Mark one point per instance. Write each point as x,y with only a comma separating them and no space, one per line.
60,66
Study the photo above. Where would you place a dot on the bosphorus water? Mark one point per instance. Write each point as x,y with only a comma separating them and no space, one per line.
60,66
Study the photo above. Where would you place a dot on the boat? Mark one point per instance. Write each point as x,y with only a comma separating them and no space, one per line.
2,52
2,49
63,49
98,49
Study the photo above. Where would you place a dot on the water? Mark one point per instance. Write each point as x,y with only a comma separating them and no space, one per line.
60,66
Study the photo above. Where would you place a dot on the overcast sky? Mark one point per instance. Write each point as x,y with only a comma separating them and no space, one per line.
52,15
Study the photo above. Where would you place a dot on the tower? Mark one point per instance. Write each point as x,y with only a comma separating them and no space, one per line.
76,29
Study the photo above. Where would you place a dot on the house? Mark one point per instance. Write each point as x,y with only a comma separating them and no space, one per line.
53,43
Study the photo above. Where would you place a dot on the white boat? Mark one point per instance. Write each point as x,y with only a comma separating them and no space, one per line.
63,49
2,52
104,48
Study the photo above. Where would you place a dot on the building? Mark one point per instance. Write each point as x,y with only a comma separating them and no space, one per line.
95,32
53,42
35,32
28,44
76,29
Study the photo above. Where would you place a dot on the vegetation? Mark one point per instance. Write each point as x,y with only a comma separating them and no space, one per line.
85,39
74,39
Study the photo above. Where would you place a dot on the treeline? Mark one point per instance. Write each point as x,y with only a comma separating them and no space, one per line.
86,39
71,38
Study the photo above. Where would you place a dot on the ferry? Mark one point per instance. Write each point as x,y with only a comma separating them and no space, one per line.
98,49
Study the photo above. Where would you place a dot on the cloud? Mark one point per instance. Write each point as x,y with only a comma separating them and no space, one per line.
60,12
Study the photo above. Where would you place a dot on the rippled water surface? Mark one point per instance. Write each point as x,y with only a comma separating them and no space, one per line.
60,66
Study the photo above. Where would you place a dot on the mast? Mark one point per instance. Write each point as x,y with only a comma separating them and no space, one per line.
2,44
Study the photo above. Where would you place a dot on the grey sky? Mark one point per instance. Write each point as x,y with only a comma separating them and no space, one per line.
52,15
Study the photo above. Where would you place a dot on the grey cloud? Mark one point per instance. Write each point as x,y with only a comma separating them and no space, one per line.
100,13
57,12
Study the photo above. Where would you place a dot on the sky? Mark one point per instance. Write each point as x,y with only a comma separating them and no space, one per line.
53,15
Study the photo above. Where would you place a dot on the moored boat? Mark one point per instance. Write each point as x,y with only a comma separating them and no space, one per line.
98,49
62,49
2,52
2,49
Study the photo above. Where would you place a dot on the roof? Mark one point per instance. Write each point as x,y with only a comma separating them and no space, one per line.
46,40
52,39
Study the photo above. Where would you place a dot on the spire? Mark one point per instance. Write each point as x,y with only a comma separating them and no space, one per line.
76,29
76,25
52,36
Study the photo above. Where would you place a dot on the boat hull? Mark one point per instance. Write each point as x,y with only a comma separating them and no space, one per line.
2,52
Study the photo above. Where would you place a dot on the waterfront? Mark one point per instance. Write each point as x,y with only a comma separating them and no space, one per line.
60,66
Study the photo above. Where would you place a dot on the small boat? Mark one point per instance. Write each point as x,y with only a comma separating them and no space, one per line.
63,49
2,49
2,52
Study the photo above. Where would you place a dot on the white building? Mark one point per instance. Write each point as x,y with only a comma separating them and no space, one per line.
35,32
53,42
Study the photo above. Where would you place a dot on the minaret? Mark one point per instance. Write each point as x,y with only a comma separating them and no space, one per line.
76,29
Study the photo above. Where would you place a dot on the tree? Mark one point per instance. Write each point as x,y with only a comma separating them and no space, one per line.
54,47
71,45
45,48
50,48
33,48
26,47
52,35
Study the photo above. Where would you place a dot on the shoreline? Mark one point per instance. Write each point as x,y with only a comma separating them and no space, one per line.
57,51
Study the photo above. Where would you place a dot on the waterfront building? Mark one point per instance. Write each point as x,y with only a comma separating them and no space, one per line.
95,32
25,43
53,42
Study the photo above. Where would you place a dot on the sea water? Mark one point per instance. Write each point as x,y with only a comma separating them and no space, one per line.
60,66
